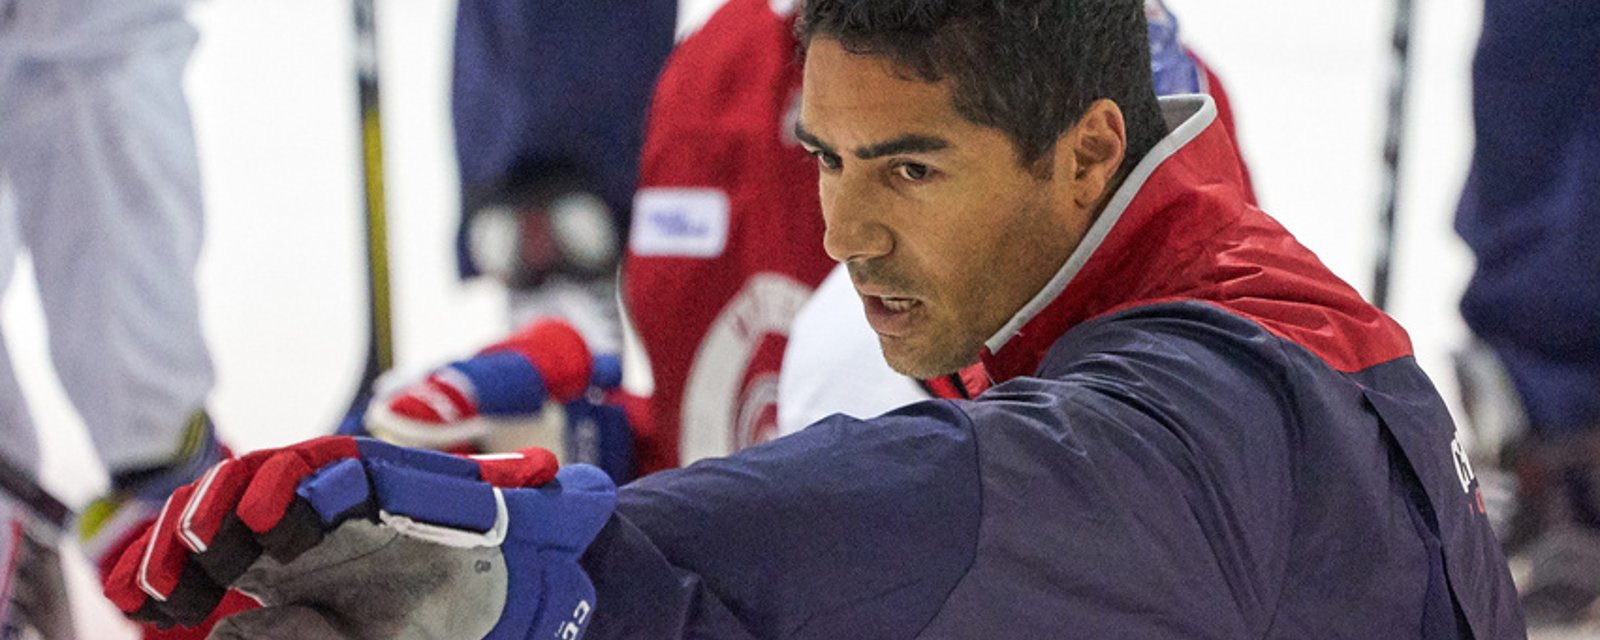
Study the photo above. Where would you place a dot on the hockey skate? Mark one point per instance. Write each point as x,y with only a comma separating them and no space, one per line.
1543,498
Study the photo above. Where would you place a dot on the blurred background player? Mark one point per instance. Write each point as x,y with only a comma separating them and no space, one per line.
725,245
548,106
99,161
1531,214
720,254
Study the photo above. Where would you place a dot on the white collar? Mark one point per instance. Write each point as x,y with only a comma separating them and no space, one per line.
1186,116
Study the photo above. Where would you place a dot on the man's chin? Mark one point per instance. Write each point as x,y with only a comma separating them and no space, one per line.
920,361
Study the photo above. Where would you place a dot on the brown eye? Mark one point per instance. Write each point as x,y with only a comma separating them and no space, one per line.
827,160
913,172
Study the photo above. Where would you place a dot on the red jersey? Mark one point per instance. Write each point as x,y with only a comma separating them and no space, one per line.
726,242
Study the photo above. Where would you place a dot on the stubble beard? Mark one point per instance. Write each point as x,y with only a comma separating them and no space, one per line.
934,362
928,354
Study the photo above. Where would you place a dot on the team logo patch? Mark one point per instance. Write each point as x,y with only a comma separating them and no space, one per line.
679,222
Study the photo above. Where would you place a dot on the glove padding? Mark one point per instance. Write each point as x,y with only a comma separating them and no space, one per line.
460,403
355,538
497,400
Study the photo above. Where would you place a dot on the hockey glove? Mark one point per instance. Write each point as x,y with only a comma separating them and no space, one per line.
109,524
344,537
458,404
495,401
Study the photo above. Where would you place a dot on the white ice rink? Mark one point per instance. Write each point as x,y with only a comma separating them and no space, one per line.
273,93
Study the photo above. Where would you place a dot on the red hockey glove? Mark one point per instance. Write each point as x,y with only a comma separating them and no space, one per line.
458,404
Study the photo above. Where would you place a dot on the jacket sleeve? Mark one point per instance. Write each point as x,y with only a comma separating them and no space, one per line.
850,528
1138,487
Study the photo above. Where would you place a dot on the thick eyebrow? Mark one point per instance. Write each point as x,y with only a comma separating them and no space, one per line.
812,140
909,143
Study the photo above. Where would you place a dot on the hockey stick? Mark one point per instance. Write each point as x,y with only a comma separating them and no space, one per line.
37,600
21,487
380,340
1399,77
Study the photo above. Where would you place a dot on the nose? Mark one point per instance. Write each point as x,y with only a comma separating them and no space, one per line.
855,226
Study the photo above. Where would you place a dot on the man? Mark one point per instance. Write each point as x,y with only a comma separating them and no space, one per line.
1195,432
830,333
727,244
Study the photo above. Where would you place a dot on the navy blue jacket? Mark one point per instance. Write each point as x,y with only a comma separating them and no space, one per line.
1196,432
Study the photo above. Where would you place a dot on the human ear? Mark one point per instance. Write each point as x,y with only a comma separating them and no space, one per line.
1096,144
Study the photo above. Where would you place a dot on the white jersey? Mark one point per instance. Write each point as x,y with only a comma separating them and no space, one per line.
833,363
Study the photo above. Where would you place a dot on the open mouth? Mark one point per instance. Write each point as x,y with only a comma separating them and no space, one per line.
891,316
898,305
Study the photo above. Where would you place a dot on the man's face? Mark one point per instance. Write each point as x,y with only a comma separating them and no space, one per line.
945,234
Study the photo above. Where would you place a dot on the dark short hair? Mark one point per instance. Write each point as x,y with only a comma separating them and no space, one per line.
1029,68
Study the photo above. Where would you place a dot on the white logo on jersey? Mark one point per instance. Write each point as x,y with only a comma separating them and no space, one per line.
679,222
720,410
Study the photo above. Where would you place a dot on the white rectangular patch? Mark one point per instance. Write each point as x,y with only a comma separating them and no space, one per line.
679,222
